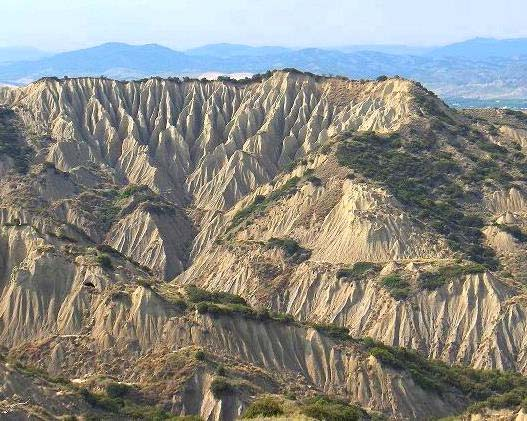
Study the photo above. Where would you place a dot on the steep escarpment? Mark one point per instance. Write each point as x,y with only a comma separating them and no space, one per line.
130,212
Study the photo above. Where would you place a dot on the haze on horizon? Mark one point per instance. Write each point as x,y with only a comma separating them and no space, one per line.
58,25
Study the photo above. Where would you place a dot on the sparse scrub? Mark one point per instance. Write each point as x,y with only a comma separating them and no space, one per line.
513,230
333,331
426,180
264,407
222,387
491,388
396,285
446,274
357,271
104,261
11,143
323,408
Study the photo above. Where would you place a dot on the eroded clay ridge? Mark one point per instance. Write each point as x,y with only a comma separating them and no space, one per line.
210,142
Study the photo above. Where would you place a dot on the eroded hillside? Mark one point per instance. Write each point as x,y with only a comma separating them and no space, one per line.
334,210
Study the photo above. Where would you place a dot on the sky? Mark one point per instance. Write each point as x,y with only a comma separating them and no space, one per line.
58,25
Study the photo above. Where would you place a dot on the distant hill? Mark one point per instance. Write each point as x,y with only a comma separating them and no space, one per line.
387,49
481,48
235,50
458,70
11,54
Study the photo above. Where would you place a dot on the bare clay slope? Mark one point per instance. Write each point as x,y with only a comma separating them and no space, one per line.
368,205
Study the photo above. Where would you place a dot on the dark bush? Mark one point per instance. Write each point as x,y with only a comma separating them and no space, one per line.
357,271
264,407
396,285
221,387
323,408
197,295
333,331
104,261
118,390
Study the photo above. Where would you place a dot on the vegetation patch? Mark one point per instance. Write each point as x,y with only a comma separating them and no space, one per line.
264,407
117,399
398,287
222,387
513,230
11,141
358,271
447,274
104,261
333,331
118,390
324,408
427,180
488,388
132,189
260,202
197,295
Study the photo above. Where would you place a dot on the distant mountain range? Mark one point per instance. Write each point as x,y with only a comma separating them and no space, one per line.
478,68
12,54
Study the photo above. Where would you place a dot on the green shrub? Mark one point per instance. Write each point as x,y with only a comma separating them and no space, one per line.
314,180
132,189
104,261
385,356
220,370
333,331
221,387
283,317
102,402
264,407
288,245
225,309
145,282
446,274
118,390
290,248
396,285
197,295
357,271
323,408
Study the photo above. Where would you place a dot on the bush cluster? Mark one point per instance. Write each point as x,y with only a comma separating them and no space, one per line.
425,179
446,274
357,271
398,287
491,388
264,407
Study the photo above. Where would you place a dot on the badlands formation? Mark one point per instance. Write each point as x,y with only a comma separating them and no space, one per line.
288,246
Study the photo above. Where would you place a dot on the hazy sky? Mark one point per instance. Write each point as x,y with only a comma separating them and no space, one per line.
62,25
